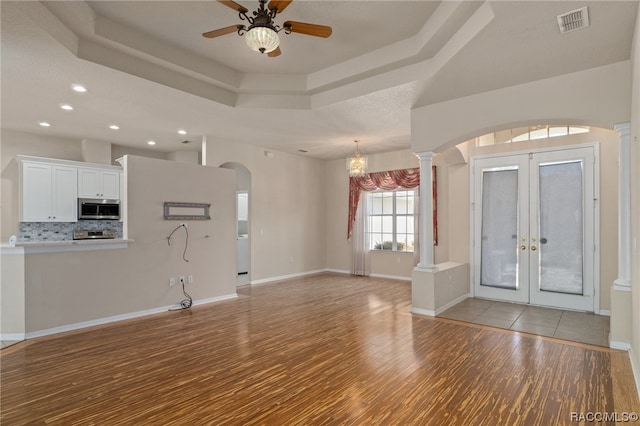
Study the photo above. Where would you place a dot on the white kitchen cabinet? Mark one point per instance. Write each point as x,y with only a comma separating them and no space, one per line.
49,193
96,183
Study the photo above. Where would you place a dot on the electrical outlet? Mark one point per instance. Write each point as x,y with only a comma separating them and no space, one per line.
182,279
172,281
190,279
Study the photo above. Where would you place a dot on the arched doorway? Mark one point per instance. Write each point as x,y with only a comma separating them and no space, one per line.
243,222
558,250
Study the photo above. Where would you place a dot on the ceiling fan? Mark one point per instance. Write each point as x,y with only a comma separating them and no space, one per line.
262,32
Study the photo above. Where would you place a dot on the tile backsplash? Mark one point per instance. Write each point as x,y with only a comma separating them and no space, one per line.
61,231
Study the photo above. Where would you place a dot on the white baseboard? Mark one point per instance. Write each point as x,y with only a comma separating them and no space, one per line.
338,271
623,346
441,309
115,318
214,299
12,337
420,311
286,277
391,277
452,303
335,271
604,312
635,368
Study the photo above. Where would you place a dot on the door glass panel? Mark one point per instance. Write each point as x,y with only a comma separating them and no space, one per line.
561,227
499,264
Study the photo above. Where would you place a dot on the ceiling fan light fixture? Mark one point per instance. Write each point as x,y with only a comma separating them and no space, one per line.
357,163
261,31
262,39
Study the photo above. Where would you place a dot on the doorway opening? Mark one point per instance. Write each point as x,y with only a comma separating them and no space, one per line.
243,222
535,226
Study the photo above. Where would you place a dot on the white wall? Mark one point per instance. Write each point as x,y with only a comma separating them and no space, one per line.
12,302
635,202
118,151
286,206
96,151
192,157
599,97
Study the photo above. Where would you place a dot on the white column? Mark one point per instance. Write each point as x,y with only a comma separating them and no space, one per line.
623,283
426,212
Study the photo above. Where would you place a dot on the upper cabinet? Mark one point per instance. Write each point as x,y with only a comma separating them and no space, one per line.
50,188
96,183
49,193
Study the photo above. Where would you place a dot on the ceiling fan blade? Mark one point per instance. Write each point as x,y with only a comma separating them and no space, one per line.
222,31
274,53
308,29
233,5
280,5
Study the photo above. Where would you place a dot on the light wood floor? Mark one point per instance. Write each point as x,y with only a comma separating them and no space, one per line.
321,350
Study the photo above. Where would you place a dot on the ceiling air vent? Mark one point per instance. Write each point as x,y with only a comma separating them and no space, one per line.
574,20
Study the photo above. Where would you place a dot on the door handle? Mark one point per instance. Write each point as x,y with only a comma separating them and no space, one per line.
543,240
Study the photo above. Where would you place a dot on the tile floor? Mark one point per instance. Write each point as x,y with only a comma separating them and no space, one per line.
568,325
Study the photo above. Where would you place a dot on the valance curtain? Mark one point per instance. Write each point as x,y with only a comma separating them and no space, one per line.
388,181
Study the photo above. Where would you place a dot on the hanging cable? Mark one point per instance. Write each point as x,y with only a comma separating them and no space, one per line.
186,242
185,303
188,302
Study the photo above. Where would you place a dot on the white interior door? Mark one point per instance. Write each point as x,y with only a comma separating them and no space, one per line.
533,228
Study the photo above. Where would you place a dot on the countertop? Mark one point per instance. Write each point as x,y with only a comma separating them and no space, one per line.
65,245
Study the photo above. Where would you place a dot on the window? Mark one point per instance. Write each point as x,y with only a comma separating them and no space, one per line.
523,134
391,220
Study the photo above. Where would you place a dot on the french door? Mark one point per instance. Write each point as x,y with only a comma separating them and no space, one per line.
534,227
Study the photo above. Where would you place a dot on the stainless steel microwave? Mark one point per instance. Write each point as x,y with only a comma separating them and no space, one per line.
95,208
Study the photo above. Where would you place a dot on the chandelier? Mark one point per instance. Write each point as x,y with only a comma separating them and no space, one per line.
357,163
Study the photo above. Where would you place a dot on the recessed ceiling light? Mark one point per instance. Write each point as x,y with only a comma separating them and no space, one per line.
151,143
78,88
66,107
182,132
114,127
44,124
